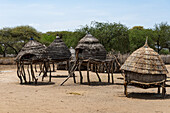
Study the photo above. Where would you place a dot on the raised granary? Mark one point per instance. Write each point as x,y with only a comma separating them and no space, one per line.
92,54
144,68
30,54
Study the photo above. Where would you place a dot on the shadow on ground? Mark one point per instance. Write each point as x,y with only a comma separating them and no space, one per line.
38,83
148,96
97,83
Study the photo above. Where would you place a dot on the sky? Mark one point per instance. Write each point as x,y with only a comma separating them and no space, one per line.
69,15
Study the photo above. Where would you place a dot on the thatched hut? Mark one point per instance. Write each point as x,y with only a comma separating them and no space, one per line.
30,54
57,51
92,54
145,68
89,47
32,50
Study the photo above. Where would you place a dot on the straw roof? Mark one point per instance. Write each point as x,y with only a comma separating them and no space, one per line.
91,48
145,61
57,50
32,48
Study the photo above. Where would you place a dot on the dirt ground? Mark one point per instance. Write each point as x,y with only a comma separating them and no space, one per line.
75,98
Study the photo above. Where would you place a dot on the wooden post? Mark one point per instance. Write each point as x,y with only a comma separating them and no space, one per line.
96,70
40,65
53,67
125,88
23,72
158,89
32,73
35,67
163,90
29,74
108,71
72,71
79,68
112,71
18,72
50,73
88,79
46,66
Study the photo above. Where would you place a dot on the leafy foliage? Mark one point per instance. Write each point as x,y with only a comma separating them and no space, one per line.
114,36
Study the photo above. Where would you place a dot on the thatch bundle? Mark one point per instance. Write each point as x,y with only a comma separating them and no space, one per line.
57,50
145,65
32,50
89,47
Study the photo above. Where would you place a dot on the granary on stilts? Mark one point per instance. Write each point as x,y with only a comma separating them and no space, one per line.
56,52
91,53
144,68
30,54
35,53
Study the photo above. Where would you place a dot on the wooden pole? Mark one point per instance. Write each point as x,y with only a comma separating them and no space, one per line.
96,70
32,73
125,88
18,72
29,74
46,66
163,90
108,71
35,66
50,73
23,72
79,68
53,67
40,65
88,79
112,71
158,89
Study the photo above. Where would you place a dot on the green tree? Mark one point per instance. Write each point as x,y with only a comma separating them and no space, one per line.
162,36
137,38
111,35
16,37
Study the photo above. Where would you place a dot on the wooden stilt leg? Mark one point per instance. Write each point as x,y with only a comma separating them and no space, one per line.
158,90
53,67
112,72
29,74
46,66
96,70
74,78
108,71
163,90
33,75
50,74
23,72
79,68
40,65
125,88
35,68
18,72
88,79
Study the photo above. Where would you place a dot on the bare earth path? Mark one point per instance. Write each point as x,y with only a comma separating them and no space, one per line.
76,98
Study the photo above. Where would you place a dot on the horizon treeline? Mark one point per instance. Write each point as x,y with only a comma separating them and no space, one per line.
115,37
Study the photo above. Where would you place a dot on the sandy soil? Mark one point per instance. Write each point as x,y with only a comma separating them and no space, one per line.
76,98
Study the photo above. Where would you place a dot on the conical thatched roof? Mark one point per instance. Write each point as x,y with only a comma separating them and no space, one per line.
145,61
91,48
33,48
57,50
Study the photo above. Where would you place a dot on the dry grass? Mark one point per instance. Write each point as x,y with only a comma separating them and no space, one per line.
7,60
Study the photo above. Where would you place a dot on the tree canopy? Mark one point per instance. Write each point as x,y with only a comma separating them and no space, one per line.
114,36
